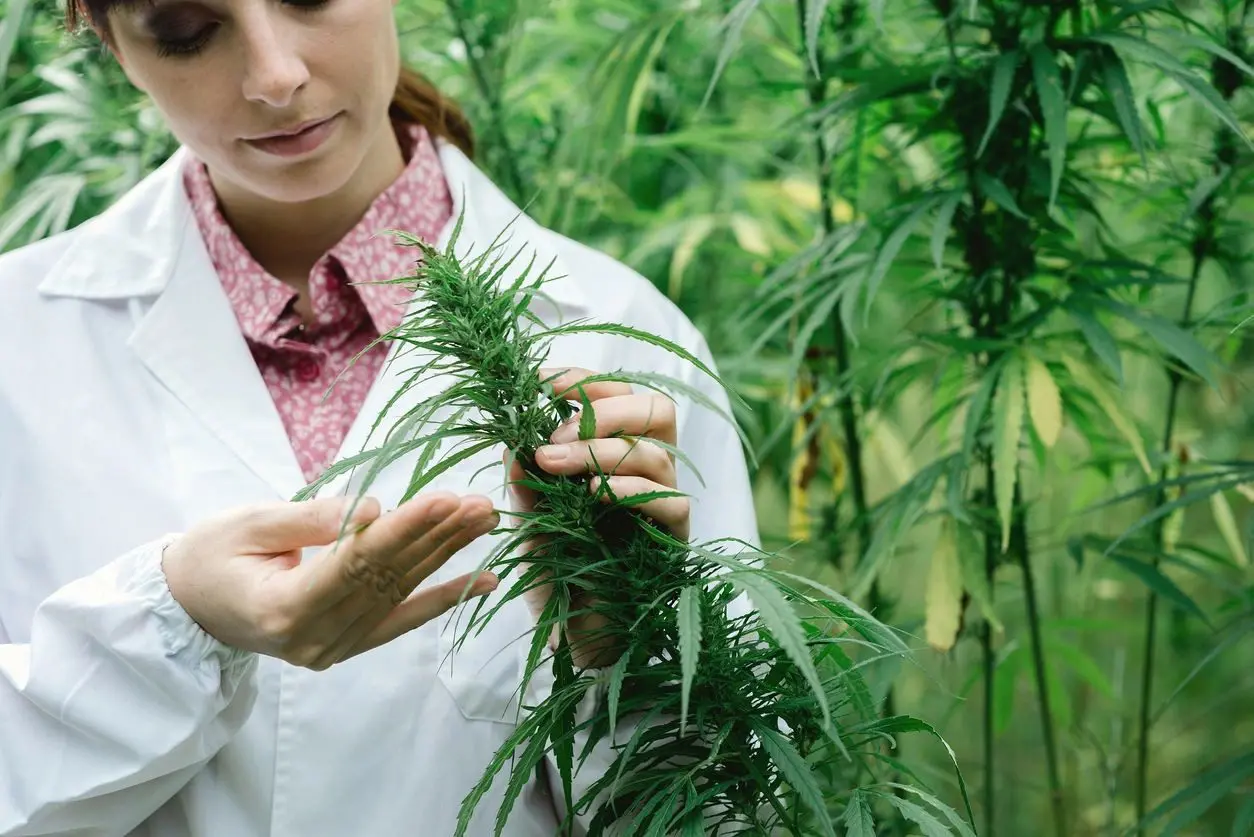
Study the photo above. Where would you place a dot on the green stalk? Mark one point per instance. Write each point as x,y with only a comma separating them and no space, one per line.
1175,379
990,668
981,313
1019,539
491,96
816,89
1227,81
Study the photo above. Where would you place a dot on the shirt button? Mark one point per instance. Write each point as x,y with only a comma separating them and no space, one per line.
307,370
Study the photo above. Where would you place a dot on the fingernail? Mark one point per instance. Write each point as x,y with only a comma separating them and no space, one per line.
554,453
565,433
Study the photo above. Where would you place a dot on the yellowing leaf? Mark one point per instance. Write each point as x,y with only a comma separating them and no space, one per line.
842,211
698,230
1085,377
800,469
1007,430
750,235
1226,521
1044,402
803,193
891,453
944,592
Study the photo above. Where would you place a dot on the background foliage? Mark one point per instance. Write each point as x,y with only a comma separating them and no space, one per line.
981,268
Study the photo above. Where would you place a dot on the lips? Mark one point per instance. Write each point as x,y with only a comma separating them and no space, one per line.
300,139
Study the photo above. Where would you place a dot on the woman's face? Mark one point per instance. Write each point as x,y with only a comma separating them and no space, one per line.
285,99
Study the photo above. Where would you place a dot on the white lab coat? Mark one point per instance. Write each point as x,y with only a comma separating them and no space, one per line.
130,408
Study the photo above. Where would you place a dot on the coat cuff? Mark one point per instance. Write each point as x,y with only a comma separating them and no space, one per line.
181,636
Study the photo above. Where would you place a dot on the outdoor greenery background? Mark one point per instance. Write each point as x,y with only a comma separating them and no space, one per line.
1102,235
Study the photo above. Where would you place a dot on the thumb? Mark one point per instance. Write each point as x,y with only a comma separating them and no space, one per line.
285,526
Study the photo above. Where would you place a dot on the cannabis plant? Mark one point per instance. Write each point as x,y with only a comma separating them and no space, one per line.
732,708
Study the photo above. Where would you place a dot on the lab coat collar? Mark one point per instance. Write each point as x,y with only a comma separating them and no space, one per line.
133,247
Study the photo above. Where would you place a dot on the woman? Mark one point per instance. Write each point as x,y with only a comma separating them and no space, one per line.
162,371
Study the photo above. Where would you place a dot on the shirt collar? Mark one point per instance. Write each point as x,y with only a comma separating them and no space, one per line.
418,201
150,232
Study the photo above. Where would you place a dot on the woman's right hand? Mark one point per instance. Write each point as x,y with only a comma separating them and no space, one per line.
239,574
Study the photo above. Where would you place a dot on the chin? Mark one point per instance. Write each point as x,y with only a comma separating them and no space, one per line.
301,181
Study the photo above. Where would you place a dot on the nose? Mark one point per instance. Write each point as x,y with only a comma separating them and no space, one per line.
274,69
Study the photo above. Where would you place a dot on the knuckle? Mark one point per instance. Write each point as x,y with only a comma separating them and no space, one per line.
381,579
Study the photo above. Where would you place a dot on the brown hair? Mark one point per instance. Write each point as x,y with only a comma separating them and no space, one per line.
416,98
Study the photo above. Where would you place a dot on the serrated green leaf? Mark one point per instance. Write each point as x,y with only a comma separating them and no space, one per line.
858,821
1226,523
977,406
1119,89
1096,388
1099,339
1202,794
734,23
1081,664
1175,340
917,814
797,773
997,192
617,674
1153,578
1053,101
1198,88
999,93
1007,431
948,813
689,646
814,11
1005,677
781,620
892,247
587,418
944,223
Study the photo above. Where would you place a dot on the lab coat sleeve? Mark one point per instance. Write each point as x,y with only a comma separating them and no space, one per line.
118,699
721,507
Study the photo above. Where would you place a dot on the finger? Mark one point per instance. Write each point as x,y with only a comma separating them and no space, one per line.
477,519
360,561
273,528
566,383
672,512
636,457
425,605
635,415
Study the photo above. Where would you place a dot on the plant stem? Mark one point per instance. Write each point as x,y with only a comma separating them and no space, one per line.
1175,379
1019,538
816,88
990,668
493,100
1202,247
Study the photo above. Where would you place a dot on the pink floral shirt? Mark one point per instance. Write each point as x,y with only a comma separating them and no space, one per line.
299,364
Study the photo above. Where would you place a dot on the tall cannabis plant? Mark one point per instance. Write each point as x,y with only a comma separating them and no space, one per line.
732,708
1022,301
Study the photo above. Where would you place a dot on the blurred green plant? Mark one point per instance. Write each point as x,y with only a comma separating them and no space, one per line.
985,264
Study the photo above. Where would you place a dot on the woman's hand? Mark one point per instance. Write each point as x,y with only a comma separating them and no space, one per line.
625,422
239,575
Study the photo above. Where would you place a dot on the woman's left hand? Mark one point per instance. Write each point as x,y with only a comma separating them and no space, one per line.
620,448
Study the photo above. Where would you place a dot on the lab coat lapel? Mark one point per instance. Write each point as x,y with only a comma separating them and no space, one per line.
191,342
